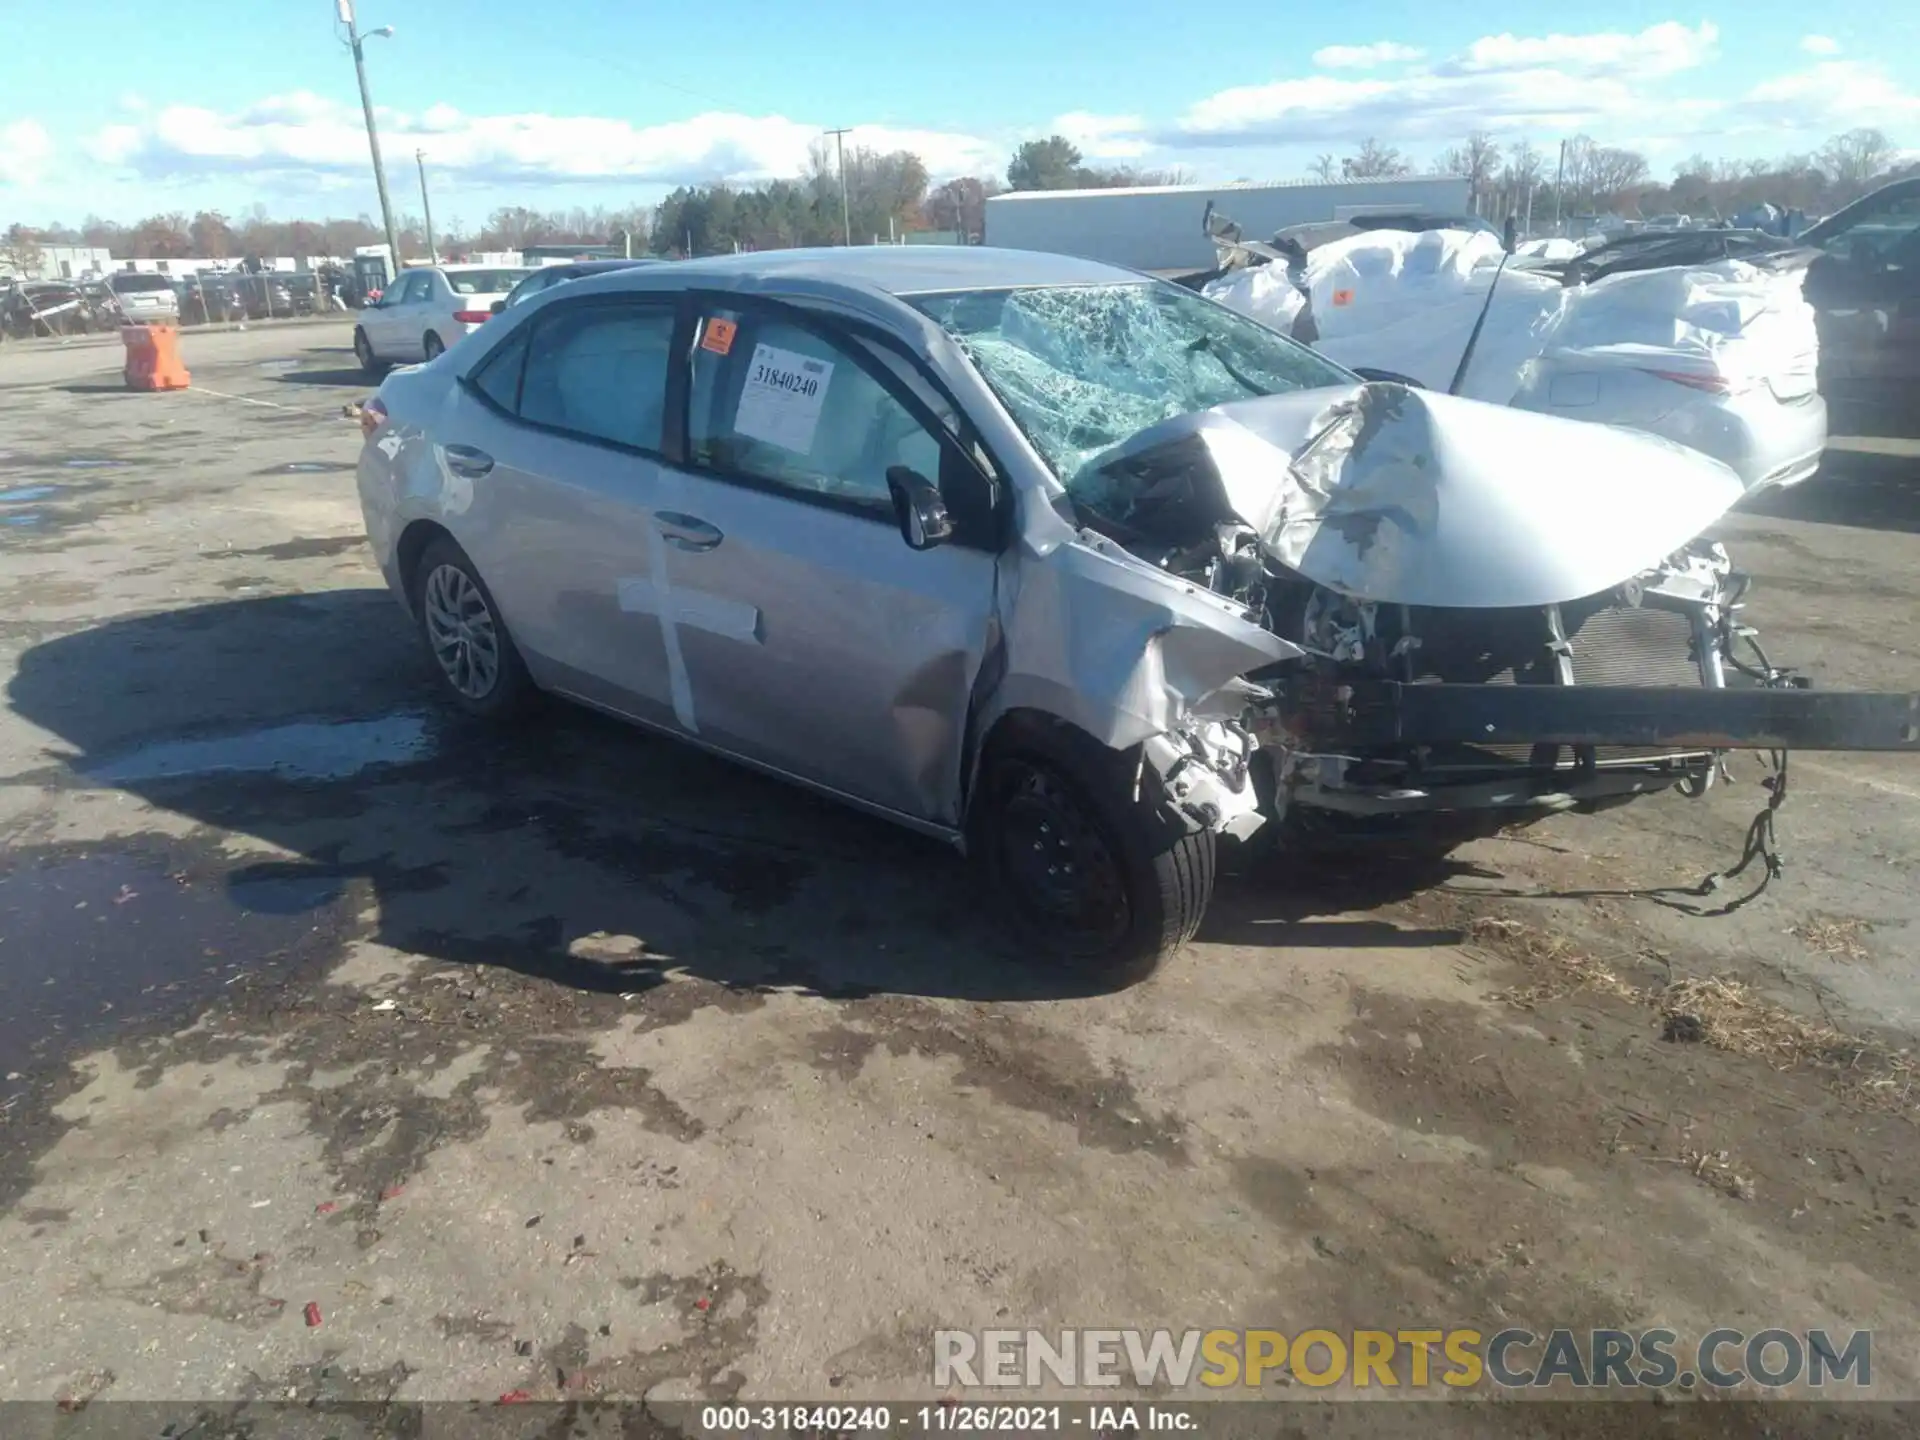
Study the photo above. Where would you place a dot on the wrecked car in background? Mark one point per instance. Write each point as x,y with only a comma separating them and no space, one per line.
1700,336
1864,285
1074,569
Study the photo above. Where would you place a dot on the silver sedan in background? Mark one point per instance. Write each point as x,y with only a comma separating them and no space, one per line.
1072,568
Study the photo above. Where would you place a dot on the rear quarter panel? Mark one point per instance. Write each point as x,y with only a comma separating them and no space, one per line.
399,476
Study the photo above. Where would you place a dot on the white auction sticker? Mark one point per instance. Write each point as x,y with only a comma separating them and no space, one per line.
781,400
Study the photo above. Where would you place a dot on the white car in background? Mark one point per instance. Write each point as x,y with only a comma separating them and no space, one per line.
144,297
427,309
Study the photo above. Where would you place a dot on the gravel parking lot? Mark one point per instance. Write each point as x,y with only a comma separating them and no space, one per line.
575,1063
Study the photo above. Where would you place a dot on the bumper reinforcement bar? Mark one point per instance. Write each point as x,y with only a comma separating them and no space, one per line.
1318,713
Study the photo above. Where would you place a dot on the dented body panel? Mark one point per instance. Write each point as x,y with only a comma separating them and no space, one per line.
1403,496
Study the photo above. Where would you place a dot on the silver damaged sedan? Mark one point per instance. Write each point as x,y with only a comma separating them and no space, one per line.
1070,567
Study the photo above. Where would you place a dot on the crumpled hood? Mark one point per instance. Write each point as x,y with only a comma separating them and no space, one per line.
1406,496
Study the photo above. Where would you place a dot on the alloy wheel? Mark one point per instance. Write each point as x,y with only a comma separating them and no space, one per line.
461,631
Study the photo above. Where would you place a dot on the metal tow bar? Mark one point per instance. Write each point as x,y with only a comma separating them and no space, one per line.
1386,712
1774,718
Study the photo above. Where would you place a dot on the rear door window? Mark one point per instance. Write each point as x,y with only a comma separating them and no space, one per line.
497,377
600,372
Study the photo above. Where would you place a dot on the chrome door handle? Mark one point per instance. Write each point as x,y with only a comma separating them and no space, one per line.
687,532
464,460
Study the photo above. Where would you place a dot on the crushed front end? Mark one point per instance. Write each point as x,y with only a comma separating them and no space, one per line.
1672,626
1487,624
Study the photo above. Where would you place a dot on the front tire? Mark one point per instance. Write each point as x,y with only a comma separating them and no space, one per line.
363,352
460,626
1083,870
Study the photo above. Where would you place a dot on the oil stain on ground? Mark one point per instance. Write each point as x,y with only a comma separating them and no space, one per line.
100,939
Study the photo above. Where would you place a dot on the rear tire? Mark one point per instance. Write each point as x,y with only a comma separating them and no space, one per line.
1082,871
363,352
432,346
465,638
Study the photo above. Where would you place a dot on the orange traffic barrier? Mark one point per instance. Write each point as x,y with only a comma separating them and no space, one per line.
153,357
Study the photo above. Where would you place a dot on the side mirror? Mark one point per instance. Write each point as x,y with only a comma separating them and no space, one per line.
499,307
918,506
1387,377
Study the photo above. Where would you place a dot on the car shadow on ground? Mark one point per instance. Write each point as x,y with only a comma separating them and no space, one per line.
575,849
1865,490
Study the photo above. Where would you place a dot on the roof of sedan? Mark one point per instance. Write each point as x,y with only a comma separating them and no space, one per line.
911,269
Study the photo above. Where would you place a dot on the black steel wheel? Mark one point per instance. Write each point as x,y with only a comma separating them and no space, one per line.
1086,868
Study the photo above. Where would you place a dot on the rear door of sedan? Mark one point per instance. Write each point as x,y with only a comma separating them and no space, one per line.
801,631
553,442
389,322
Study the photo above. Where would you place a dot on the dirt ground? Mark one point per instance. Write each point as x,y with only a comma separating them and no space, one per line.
578,1064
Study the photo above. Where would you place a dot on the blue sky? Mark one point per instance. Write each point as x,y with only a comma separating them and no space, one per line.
613,102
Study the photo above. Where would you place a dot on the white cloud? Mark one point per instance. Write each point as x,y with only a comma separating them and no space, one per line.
1835,95
1508,84
304,135
1103,137
1365,57
1819,45
26,152
1651,89
1663,49
114,144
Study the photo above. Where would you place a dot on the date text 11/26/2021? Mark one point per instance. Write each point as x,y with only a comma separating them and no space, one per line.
1091,1419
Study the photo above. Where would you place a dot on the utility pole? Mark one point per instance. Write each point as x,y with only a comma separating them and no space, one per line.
426,206
846,209
1559,184
344,8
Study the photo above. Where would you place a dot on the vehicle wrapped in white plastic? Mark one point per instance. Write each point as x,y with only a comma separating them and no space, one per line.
1719,356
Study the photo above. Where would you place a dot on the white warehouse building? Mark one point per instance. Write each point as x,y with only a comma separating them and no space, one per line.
1158,227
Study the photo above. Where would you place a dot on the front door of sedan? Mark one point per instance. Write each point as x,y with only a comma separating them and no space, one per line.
554,449
802,632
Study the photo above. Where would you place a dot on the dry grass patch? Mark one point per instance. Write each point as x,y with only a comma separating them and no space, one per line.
1719,1012
1839,938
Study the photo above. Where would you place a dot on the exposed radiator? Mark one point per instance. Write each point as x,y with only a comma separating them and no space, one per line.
1619,645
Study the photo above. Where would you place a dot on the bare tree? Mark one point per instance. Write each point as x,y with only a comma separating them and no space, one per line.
211,235
1478,159
1324,167
20,248
1857,157
961,205
161,237
1375,161
1615,171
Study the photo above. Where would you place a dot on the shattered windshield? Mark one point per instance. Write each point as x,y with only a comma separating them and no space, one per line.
1083,367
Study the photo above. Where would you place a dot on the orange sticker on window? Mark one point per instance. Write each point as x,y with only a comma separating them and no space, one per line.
719,336
1343,297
